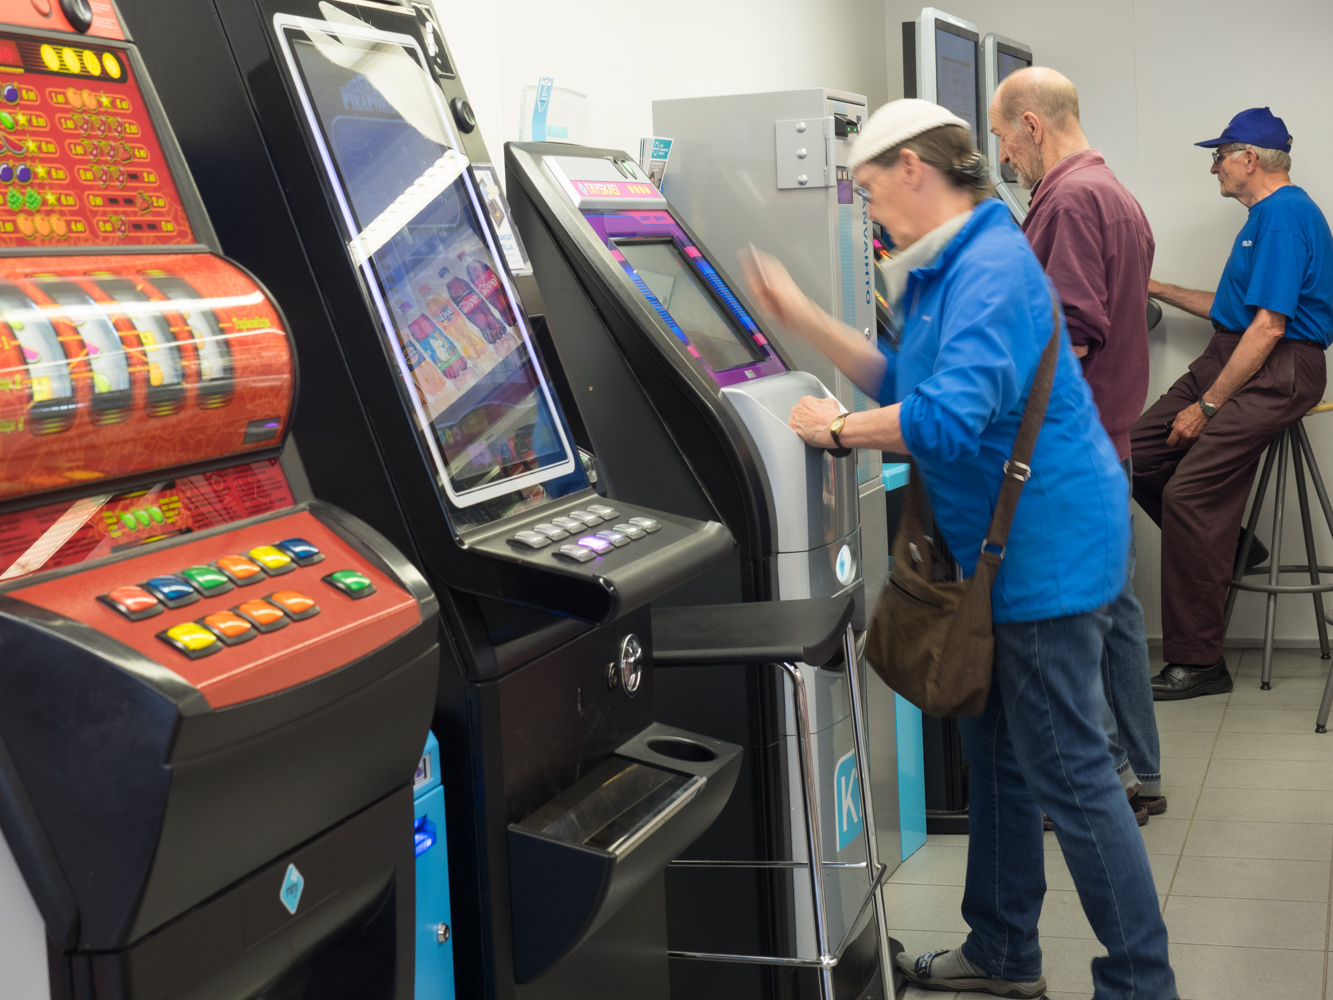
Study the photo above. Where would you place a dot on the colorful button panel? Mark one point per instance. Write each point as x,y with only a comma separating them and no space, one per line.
588,545
355,585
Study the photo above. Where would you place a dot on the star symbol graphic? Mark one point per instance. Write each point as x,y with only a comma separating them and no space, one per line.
41,171
22,120
52,198
31,145
106,101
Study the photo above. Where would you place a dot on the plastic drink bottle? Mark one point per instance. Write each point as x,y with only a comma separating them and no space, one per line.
485,281
441,348
455,327
428,377
473,307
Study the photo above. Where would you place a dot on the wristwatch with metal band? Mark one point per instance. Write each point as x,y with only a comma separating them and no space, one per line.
1209,410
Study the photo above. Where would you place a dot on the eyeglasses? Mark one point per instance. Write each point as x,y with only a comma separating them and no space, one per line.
1219,155
863,194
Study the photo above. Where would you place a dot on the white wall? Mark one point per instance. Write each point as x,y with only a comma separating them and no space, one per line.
1154,76
624,55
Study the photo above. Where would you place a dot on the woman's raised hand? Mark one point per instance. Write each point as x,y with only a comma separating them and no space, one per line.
773,291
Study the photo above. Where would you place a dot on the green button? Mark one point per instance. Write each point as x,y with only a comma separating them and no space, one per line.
156,514
128,520
206,577
350,580
143,517
7,120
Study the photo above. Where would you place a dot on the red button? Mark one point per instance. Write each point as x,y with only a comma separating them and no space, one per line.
260,612
133,601
295,603
229,624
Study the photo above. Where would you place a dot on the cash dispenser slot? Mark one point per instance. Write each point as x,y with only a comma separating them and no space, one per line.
575,861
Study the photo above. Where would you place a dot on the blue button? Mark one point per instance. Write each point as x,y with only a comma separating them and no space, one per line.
173,591
301,551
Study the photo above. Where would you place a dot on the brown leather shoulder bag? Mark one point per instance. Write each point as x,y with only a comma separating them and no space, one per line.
933,642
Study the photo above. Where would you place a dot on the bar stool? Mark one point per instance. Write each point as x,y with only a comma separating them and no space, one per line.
785,634
1294,442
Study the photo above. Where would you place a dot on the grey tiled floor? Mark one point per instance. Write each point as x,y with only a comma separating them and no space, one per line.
1243,859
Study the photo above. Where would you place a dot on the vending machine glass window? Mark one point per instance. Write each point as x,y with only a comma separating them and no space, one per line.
413,222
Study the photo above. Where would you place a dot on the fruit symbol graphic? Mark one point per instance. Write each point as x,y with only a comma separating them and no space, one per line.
473,307
440,348
485,281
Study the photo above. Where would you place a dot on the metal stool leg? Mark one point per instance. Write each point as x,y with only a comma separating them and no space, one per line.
1311,557
1270,616
800,702
1250,525
863,774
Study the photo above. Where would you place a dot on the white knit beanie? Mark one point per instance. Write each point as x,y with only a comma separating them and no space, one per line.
897,122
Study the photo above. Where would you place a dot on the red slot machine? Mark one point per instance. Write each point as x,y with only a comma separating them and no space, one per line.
214,690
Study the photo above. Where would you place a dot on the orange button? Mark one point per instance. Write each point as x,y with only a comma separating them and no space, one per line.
229,624
295,603
239,568
262,612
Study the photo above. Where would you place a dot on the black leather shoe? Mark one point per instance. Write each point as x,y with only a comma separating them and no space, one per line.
1258,553
1179,680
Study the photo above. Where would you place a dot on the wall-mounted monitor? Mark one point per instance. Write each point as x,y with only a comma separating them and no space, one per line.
1001,56
942,63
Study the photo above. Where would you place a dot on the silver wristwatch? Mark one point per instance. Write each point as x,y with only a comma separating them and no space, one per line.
1209,410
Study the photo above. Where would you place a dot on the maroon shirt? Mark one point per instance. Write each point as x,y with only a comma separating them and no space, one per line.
1094,241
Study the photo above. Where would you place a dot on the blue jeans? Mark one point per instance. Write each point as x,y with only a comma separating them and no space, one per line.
1040,746
1131,724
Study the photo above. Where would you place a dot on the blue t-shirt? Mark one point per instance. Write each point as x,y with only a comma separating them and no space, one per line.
1282,261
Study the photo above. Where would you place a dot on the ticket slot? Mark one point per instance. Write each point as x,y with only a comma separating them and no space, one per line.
113,367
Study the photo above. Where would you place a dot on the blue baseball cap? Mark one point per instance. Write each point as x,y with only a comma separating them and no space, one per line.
1254,127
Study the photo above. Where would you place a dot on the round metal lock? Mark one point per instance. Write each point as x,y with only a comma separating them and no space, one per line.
463,115
803,180
629,665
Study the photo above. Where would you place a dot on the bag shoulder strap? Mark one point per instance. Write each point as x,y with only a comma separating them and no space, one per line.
1017,471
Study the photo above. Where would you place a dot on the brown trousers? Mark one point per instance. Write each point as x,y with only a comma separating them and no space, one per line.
1196,493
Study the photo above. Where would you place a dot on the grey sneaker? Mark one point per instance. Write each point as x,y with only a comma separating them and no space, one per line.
917,970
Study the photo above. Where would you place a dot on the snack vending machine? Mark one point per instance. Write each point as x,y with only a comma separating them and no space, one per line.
213,688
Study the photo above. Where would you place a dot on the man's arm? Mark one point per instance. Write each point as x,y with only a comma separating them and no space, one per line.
1198,303
1255,345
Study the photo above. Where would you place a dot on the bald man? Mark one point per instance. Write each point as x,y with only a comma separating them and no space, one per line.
1095,243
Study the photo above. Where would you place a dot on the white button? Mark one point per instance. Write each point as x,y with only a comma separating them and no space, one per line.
568,523
633,530
586,516
616,538
531,539
552,531
577,553
648,524
603,511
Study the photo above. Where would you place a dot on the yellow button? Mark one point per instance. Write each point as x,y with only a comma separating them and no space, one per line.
192,636
270,557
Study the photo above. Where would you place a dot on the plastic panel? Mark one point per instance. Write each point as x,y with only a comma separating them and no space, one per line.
114,366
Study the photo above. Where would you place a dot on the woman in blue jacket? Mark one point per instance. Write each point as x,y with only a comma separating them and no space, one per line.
973,312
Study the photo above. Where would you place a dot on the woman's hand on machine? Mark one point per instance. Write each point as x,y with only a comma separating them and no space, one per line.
773,290
810,419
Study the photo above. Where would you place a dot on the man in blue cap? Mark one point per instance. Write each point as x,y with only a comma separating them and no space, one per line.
1196,449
